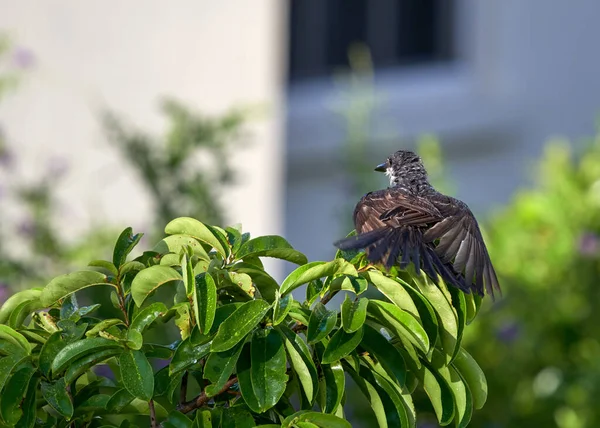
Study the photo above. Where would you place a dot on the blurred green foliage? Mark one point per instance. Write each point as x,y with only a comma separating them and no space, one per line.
539,345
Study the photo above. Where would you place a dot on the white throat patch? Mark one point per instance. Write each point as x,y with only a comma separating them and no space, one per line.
390,173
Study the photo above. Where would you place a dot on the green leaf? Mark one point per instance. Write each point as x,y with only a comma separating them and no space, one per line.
341,344
187,355
106,265
268,367
177,420
282,307
205,301
315,270
322,321
124,245
446,315
198,230
355,284
401,323
14,337
236,417
354,313
28,406
121,398
239,324
462,398
439,393
148,280
56,395
21,312
472,302
102,326
219,366
147,316
427,315
137,374
175,243
187,273
79,349
393,290
319,419
64,285
271,246
49,351
460,309
84,364
243,369
301,361
267,286
15,300
7,365
134,339
203,419
473,376
333,383
387,354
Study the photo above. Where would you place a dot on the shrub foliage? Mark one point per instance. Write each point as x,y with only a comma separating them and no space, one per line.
203,336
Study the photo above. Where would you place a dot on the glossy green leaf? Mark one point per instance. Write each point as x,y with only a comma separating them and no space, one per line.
204,301
271,246
460,309
15,300
236,417
439,393
268,368
301,361
371,394
399,322
14,337
473,376
137,374
34,335
354,313
219,366
125,244
177,420
393,290
57,396
134,339
355,284
187,355
332,383
239,324
106,265
64,285
148,280
28,406
267,286
321,420
387,355
7,365
79,349
132,266
446,315
85,363
243,369
174,244
463,400
49,351
147,316
427,315
102,326
322,321
187,273
282,307
315,270
198,230
341,344
203,419
121,398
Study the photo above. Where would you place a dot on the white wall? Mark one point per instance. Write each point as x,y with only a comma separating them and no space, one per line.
124,56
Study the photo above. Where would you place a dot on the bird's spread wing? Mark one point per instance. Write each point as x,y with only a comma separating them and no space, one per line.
458,240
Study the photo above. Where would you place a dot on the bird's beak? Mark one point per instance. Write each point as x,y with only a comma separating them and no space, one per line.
381,167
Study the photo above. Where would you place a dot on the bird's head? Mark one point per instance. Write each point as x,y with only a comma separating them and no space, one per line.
404,168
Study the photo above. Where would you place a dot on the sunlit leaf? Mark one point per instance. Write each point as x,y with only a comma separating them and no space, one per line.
55,393
137,374
198,230
239,324
354,313
322,321
15,300
315,270
63,285
148,280
271,246
204,301
301,361
341,344
268,366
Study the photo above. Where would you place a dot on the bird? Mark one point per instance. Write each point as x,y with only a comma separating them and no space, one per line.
410,221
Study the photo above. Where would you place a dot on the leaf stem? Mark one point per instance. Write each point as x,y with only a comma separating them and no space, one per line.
152,414
183,390
202,399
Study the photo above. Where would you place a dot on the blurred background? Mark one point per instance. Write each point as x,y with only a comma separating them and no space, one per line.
273,114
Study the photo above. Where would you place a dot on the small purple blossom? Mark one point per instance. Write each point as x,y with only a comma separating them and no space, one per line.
23,58
26,227
509,332
105,371
3,292
589,244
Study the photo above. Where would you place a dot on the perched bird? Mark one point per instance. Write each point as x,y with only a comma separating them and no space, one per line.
412,222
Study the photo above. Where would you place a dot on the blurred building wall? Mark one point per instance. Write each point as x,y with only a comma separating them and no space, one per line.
96,55
524,71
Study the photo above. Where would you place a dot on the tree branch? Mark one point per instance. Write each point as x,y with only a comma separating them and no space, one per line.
202,399
183,391
152,414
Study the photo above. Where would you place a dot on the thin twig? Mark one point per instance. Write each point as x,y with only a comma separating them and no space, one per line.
202,399
327,297
152,414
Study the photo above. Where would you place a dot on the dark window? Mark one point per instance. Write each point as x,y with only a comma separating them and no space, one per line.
398,32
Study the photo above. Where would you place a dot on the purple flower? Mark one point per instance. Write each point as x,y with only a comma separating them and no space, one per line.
3,292
23,58
105,371
589,244
509,332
